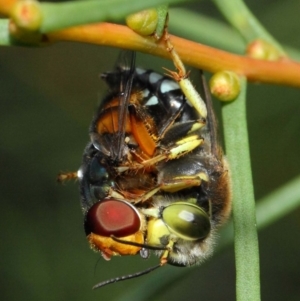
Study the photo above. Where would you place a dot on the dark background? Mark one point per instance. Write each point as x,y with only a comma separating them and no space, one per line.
48,96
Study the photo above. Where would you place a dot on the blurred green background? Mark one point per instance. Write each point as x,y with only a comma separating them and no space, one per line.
48,96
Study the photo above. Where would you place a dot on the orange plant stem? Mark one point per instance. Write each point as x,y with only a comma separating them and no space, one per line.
6,6
284,72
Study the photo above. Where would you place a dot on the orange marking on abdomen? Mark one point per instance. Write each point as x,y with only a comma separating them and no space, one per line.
142,136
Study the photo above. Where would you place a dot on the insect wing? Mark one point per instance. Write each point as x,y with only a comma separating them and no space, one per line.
128,67
111,117
212,124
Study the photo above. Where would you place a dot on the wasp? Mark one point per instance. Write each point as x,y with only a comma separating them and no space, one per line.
153,176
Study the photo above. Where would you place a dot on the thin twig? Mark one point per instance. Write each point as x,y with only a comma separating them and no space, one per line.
284,72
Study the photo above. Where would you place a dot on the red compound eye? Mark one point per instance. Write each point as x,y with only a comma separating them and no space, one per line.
112,217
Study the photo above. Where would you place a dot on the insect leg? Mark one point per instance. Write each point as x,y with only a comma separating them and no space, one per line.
182,77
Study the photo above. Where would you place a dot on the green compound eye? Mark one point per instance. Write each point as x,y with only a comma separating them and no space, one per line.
187,221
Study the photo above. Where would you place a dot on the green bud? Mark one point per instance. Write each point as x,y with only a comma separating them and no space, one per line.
225,85
27,15
260,49
143,22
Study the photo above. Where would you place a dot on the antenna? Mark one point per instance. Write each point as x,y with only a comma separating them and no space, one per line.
126,277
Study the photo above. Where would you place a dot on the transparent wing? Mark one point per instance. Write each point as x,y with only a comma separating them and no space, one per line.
126,66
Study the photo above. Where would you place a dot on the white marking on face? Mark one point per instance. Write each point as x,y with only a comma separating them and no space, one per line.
154,77
168,85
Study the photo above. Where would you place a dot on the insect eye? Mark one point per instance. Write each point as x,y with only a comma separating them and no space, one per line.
112,217
187,221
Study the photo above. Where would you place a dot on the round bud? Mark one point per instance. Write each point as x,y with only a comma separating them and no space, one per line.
27,15
144,22
225,85
263,50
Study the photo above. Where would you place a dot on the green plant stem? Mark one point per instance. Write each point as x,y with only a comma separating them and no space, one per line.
205,30
199,28
162,13
62,15
239,16
244,220
210,31
270,209
4,32
278,203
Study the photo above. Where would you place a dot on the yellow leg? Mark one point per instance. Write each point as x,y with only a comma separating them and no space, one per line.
182,77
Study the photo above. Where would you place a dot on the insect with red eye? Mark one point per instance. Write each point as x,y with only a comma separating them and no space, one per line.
153,176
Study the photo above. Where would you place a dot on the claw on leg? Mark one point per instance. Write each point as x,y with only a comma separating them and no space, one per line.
182,77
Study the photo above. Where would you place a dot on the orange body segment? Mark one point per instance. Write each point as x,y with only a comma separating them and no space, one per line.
109,122
142,136
110,247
